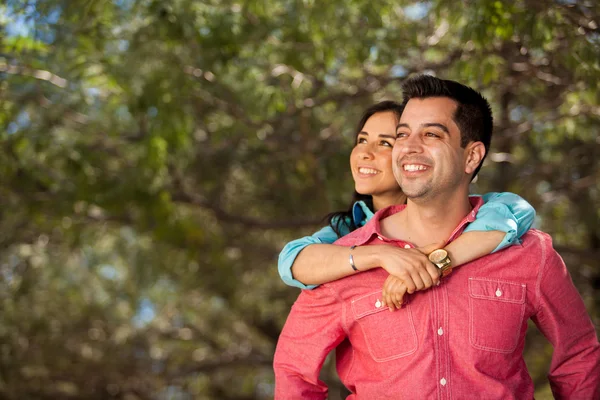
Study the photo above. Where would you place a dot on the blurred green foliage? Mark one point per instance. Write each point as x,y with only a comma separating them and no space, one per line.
156,155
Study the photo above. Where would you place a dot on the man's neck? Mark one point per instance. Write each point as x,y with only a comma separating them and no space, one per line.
425,221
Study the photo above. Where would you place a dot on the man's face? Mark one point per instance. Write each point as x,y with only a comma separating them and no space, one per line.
427,157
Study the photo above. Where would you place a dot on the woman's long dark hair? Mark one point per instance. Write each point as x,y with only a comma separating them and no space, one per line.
337,220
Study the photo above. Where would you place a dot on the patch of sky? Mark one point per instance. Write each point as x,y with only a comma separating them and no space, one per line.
92,92
123,113
398,71
418,10
124,4
330,80
373,53
17,25
218,303
174,393
543,187
109,272
123,45
593,37
516,114
22,121
54,15
152,112
145,313
12,128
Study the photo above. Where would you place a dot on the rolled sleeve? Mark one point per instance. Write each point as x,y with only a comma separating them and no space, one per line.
504,212
291,250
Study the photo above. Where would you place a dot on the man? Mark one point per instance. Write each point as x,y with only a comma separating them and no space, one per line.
464,338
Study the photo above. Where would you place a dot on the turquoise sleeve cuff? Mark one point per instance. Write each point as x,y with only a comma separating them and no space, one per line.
496,217
520,211
505,212
291,250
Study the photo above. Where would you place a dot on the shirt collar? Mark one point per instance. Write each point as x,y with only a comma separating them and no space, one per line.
373,226
361,213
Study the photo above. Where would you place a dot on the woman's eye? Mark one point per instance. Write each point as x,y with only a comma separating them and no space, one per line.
361,140
385,143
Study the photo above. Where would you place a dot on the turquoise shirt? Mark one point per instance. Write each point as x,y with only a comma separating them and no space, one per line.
505,212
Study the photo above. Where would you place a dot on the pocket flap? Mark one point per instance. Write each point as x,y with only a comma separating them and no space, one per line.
493,289
368,304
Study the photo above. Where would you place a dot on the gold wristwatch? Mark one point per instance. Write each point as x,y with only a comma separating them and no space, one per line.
441,260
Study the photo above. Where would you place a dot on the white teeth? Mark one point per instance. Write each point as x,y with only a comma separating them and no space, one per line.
368,171
411,167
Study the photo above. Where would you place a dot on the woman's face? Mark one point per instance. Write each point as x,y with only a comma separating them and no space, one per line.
371,159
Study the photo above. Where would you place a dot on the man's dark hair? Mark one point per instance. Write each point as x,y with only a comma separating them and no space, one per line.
473,114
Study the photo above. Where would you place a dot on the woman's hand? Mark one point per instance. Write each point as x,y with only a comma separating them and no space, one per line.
410,270
393,293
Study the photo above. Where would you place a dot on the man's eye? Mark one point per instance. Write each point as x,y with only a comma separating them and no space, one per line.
431,134
401,134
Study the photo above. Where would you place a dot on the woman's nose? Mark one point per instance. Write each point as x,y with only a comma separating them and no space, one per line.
366,154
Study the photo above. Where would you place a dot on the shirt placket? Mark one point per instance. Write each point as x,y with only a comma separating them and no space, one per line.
439,313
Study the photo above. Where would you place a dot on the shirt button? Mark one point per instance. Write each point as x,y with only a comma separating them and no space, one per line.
378,304
379,237
443,381
407,246
498,292
440,331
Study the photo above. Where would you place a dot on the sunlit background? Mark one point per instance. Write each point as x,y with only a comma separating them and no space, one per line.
156,156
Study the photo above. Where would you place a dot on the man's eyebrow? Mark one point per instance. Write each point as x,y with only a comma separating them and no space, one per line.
436,125
427,125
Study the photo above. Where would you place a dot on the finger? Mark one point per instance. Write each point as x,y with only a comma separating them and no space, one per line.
409,281
397,298
434,272
418,281
426,276
393,286
399,294
389,301
392,290
385,290
385,293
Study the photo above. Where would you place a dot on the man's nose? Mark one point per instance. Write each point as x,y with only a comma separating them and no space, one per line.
410,144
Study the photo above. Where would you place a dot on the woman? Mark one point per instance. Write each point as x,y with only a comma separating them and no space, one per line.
313,260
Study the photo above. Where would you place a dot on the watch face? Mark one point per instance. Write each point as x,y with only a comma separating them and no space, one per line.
438,255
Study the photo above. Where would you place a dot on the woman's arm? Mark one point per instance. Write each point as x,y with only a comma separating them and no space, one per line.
289,257
313,260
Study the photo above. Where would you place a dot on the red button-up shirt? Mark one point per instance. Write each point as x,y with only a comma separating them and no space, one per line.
462,339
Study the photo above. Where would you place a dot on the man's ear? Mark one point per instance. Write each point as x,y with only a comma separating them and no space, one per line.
475,152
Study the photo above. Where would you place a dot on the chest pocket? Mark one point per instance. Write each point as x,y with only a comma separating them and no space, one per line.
388,335
496,310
